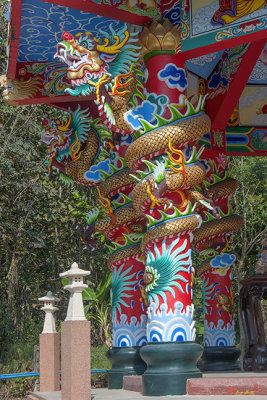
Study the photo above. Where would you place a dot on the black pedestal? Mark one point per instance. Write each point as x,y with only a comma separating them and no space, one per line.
125,361
220,358
169,365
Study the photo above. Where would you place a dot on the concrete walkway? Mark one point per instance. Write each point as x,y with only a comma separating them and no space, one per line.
105,394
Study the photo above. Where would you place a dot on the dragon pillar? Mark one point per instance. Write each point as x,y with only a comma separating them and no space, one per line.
124,227
167,169
213,242
102,68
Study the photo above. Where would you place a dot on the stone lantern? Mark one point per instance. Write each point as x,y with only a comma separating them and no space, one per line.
75,287
49,309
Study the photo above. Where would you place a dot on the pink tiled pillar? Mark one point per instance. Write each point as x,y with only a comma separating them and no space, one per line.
49,362
75,360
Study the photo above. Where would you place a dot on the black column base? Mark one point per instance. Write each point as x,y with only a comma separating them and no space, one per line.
125,361
169,365
220,358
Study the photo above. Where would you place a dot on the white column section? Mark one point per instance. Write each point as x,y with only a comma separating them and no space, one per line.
49,309
75,287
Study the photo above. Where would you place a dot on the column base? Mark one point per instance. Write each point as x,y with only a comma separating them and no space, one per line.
220,358
125,361
169,365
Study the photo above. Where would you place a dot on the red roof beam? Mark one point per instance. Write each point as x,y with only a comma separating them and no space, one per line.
14,33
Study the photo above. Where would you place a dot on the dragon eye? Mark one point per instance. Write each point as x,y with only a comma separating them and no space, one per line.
84,44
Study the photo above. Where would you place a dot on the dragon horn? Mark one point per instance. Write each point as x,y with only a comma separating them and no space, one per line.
115,47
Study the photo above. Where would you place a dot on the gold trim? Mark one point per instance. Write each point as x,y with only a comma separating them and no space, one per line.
15,90
160,37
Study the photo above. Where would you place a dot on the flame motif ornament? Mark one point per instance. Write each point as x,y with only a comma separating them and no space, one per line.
121,283
166,267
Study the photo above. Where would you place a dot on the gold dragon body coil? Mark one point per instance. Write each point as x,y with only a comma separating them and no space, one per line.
155,143
116,182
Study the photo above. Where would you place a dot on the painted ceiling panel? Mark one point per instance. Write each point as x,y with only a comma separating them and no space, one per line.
203,12
203,66
42,24
259,73
252,106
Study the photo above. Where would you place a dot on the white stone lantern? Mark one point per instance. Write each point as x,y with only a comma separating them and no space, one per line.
75,287
49,309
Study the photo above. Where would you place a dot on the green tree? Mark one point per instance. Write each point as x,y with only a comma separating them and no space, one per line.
38,235
249,202
98,305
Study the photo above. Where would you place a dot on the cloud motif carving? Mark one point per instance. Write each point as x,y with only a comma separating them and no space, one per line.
224,260
94,173
144,111
218,80
174,77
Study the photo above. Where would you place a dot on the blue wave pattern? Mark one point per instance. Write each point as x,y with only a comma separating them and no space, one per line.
128,335
37,33
219,336
170,326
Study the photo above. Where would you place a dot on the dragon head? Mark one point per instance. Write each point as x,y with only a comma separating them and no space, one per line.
88,59
56,134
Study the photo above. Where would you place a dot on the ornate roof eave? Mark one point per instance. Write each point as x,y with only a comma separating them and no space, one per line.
20,92
87,6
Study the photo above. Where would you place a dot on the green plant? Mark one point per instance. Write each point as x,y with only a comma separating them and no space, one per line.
99,305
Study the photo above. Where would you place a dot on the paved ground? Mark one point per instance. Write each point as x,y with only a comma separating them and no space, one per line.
105,394
234,374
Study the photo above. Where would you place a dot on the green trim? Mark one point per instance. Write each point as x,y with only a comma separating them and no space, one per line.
157,53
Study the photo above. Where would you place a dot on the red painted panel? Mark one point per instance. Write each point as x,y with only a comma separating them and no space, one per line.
14,32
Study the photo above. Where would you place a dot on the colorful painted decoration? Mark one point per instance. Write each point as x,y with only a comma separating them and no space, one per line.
128,317
170,326
102,68
73,146
220,335
167,277
147,134
166,190
218,301
232,10
207,22
213,241
164,272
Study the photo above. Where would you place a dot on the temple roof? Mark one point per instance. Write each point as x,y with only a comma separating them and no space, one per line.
212,43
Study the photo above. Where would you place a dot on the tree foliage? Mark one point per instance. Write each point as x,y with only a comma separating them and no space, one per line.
38,235
38,232
249,201
38,219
